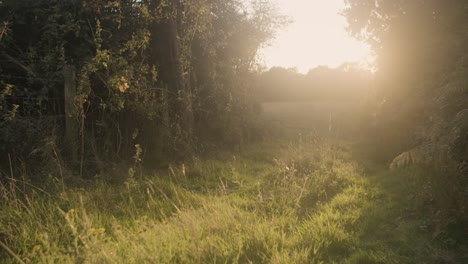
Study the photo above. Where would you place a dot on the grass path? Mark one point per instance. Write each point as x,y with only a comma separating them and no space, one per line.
307,203
300,212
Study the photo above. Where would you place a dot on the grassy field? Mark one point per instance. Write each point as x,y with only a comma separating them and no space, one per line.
303,201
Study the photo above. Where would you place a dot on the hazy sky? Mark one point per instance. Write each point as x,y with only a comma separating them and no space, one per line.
317,36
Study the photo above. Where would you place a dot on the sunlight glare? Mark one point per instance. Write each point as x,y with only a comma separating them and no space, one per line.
317,36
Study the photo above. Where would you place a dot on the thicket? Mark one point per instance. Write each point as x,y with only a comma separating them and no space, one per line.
157,78
419,112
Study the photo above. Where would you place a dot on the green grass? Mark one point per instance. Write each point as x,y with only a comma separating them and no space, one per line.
275,203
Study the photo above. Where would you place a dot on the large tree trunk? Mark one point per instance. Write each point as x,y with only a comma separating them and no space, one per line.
181,81
176,117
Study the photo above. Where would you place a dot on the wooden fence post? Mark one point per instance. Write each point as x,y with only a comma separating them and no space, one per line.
71,112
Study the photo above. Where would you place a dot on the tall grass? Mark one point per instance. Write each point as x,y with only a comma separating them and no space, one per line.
276,203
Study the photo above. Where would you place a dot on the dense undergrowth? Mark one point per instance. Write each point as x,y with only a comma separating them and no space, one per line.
301,202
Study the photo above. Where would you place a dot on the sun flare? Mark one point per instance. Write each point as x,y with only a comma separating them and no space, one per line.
316,36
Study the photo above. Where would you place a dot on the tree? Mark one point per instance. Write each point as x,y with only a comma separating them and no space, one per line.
422,88
161,74
348,83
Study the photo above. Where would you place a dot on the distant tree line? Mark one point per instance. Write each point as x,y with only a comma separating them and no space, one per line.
154,77
348,82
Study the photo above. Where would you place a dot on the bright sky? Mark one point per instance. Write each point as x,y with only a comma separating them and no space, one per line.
316,36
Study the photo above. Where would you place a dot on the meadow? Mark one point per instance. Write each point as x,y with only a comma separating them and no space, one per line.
308,198
158,131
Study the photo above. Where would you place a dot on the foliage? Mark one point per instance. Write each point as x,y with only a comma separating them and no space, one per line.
421,84
176,71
